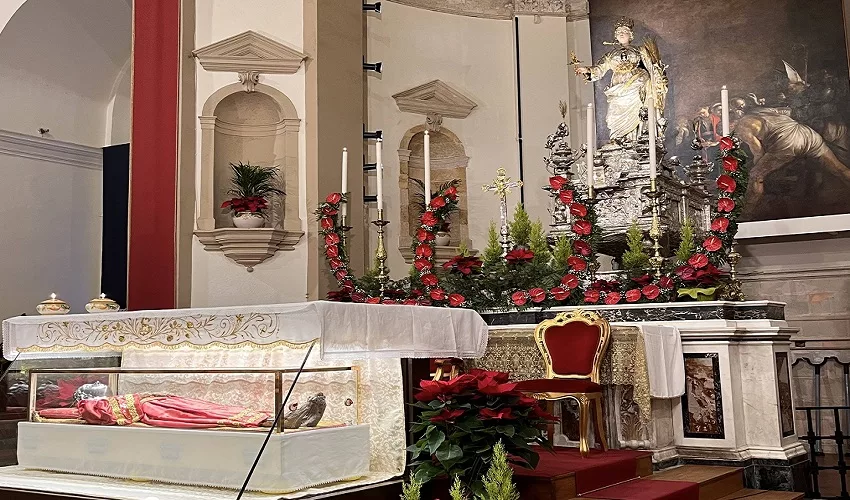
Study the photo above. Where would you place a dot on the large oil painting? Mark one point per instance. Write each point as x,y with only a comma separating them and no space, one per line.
785,65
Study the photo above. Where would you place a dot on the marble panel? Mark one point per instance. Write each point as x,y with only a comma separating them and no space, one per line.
786,407
702,407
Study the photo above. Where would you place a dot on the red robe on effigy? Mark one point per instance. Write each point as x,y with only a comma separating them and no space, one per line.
157,411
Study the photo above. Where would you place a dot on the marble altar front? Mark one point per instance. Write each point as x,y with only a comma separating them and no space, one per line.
737,400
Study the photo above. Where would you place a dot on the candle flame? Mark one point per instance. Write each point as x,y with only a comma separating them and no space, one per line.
102,295
52,296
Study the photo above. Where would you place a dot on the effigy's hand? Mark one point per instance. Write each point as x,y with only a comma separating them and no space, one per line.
581,70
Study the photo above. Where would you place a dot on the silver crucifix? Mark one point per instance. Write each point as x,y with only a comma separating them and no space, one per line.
502,186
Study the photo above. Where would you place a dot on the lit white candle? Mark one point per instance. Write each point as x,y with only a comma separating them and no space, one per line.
427,180
653,131
380,170
724,107
591,146
344,191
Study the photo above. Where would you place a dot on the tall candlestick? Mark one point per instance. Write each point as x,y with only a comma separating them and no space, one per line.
653,132
591,146
724,106
344,191
380,169
427,180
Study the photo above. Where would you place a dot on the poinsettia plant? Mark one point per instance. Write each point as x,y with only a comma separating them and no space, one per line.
252,185
462,420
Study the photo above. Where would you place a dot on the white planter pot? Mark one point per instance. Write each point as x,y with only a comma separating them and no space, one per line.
248,220
442,239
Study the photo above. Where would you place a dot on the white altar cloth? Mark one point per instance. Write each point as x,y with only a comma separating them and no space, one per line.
665,362
346,330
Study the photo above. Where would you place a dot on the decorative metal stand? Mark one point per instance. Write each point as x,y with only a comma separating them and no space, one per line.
733,288
502,186
655,229
560,160
343,225
381,252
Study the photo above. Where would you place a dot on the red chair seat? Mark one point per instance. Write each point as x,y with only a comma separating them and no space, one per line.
558,385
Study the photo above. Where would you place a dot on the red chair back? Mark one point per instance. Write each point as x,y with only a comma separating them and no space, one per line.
573,344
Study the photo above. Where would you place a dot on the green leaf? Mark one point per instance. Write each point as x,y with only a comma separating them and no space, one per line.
448,452
436,404
426,471
507,430
698,293
435,439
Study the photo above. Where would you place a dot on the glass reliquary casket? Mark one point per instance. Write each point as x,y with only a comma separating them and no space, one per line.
198,426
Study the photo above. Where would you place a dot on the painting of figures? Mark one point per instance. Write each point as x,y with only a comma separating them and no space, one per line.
786,67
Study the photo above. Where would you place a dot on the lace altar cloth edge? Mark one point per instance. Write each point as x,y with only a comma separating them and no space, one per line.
18,477
346,331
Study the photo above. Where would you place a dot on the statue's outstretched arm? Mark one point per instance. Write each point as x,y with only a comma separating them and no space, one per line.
594,73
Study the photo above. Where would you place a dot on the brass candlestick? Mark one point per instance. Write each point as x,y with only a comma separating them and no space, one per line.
655,229
381,252
733,291
343,225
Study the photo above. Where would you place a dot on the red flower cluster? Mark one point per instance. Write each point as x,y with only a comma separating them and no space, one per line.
252,204
462,264
519,256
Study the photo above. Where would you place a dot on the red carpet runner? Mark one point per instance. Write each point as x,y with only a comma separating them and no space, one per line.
596,471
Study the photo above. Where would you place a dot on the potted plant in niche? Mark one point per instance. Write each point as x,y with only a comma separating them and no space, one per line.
442,238
252,185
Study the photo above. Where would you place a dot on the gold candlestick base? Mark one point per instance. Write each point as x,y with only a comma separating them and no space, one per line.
733,289
656,260
381,252
345,228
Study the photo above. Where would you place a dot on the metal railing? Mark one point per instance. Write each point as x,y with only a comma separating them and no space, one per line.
814,440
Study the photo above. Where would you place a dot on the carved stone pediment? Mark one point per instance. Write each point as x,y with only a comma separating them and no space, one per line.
250,52
248,247
435,98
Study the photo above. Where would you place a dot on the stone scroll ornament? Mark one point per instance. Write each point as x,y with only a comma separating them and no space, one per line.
577,286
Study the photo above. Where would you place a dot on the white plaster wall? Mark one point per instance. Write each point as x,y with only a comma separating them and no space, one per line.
51,232
472,55
217,280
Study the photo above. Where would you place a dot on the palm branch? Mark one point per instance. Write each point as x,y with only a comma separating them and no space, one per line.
252,180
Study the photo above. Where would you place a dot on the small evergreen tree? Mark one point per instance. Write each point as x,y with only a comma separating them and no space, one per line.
538,245
462,249
411,490
562,251
498,482
457,492
520,228
493,252
635,259
686,245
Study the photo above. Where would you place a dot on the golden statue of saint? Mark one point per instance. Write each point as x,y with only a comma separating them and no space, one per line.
637,73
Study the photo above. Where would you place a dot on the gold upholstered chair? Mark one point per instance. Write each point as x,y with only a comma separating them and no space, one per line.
573,345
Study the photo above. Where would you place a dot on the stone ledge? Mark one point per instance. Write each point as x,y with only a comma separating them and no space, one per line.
248,247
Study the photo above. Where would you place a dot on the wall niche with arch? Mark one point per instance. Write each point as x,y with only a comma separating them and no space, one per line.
448,162
257,126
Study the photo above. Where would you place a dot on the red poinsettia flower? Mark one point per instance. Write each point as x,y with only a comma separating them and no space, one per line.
422,264
612,298
424,235
730,164
725,205
591,296
447,415
519,298
438,294
570,280
358,297
651,292
487,413
665,282
578,210
576,263
373,300
726,184
332,252
518,255
560,293
497,376
334,198
451,192
339,296
712,244
633,295
582,227
493,386
335,264
686,273
428,279
566,196
720,224
557,182
438,202
698,260
726,143
642,280
537,295
581,247
326,223
429,219
527,401
331,239
456,299
605,285
463,265
424,251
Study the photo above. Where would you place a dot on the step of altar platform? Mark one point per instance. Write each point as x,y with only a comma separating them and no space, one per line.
763,495
714,482
564,474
